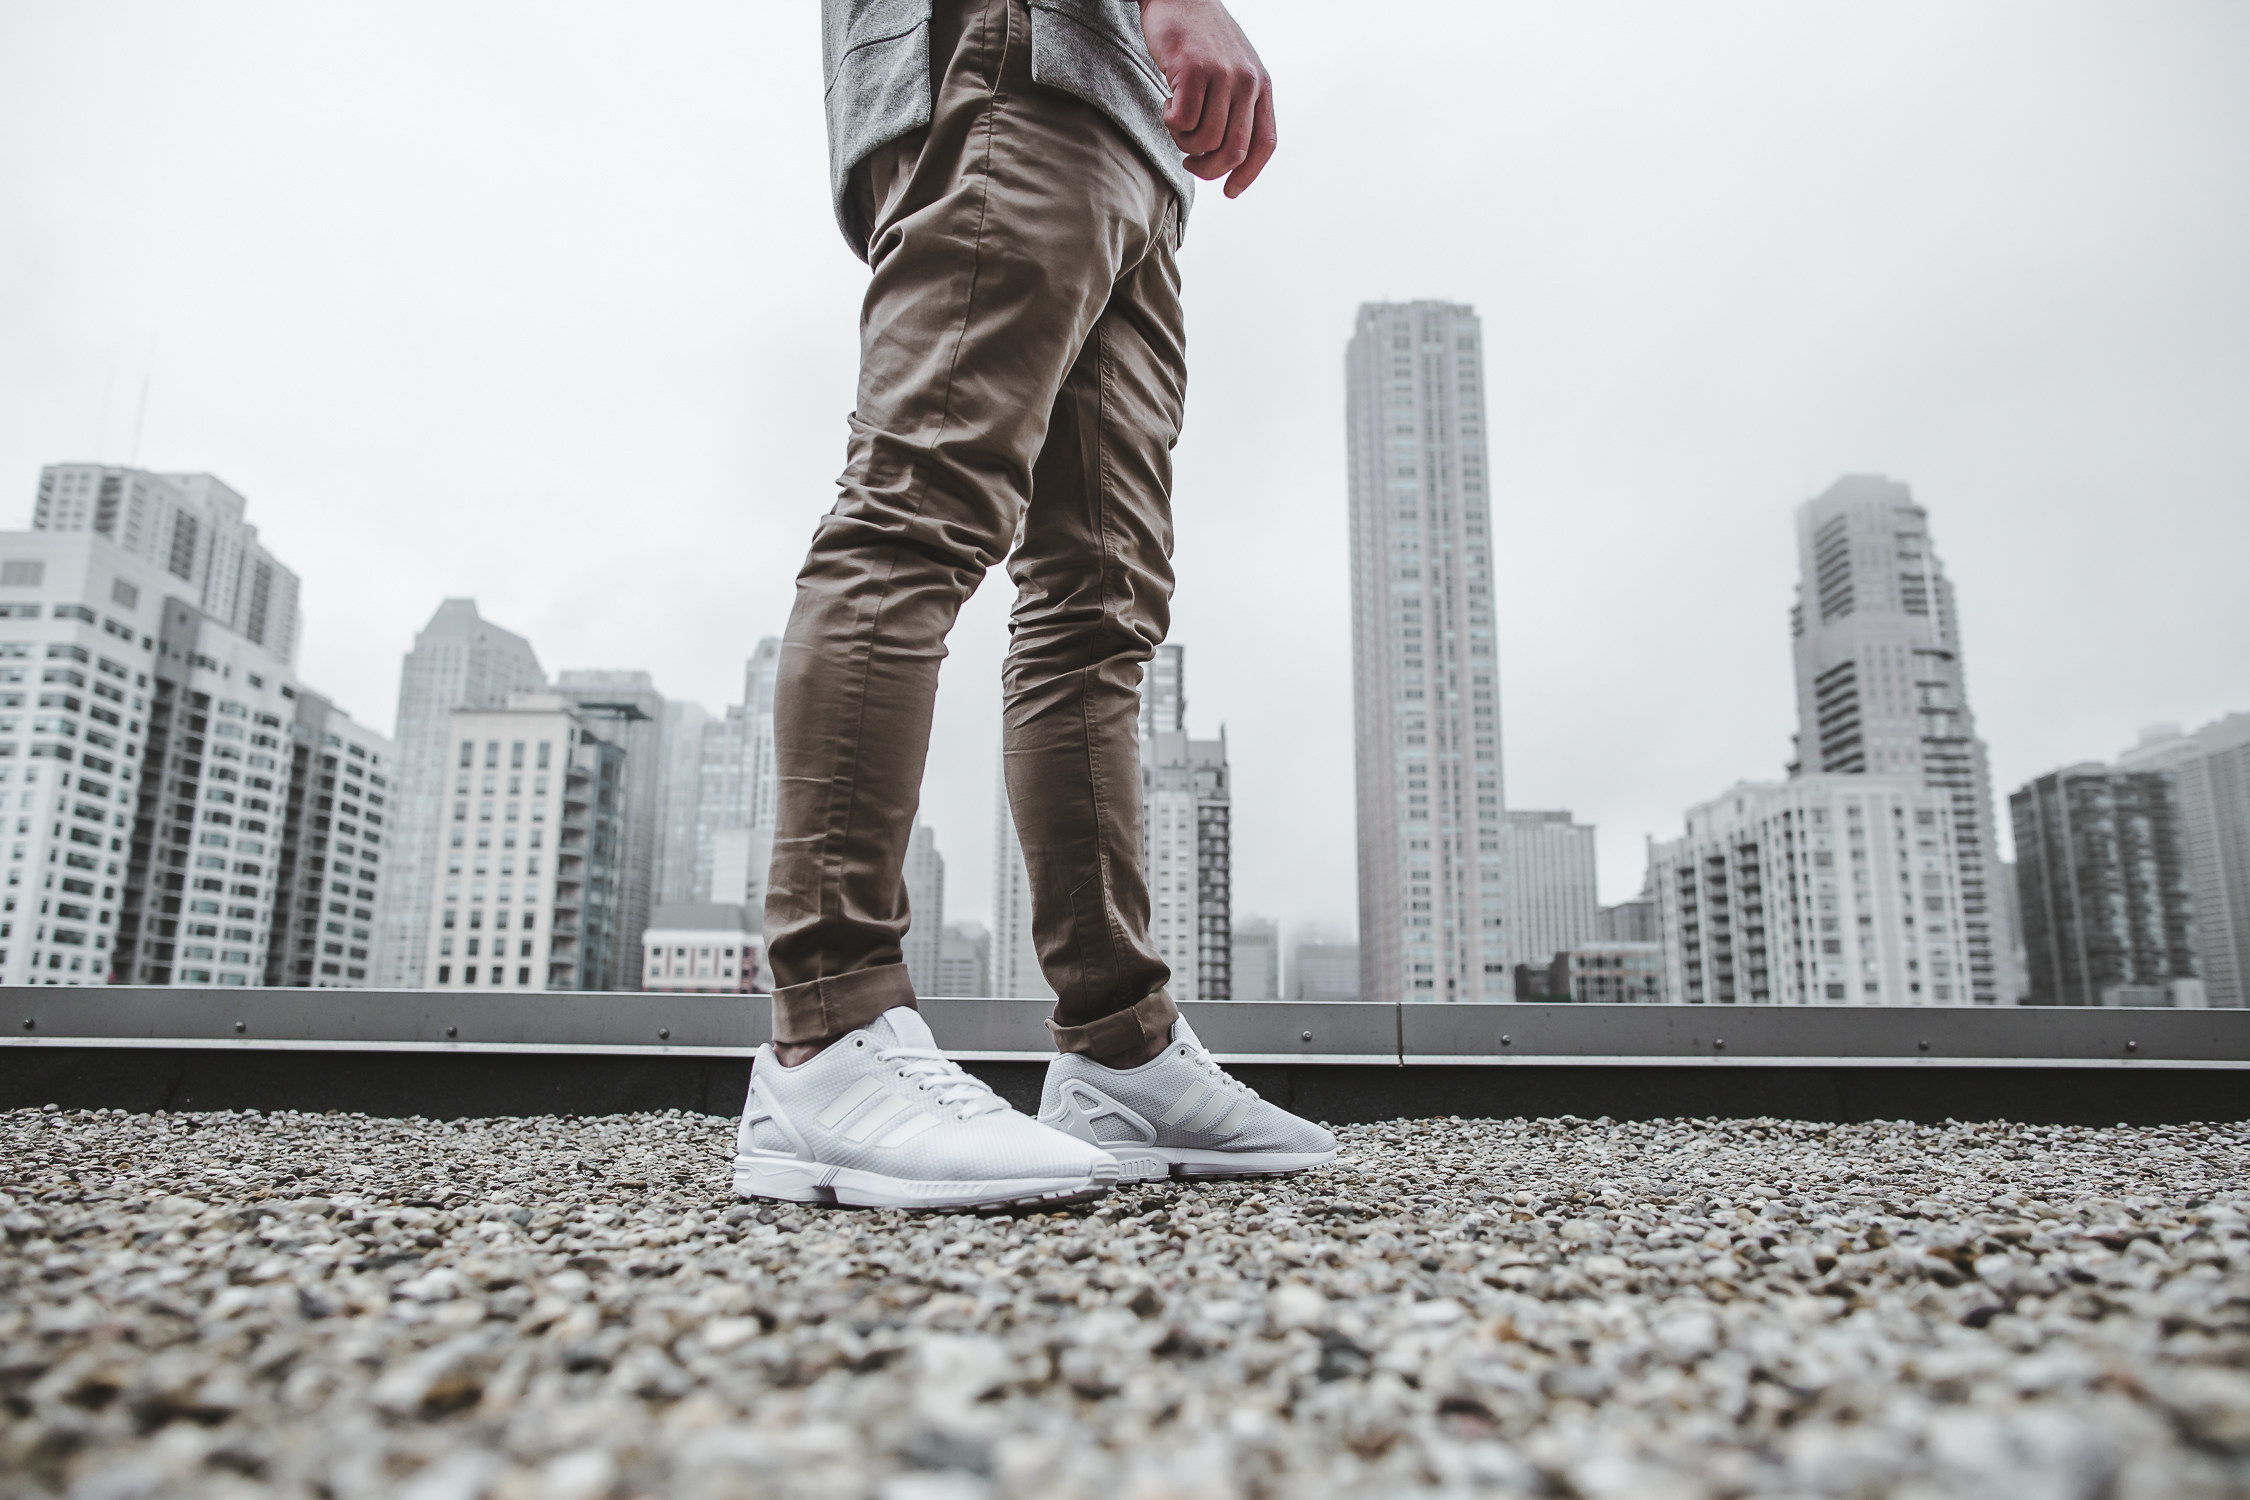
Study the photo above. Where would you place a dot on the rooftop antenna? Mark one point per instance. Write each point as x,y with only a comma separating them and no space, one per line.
148,372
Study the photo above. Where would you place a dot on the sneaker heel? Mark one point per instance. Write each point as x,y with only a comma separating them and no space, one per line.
789,1181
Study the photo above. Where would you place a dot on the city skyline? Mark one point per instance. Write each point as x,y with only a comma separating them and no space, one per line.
1688,338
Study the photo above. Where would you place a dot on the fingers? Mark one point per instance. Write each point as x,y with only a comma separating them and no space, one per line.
1235,120
1265,137
1214,91
1184,111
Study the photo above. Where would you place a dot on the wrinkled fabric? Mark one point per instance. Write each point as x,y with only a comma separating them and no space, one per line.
877,58
1022,365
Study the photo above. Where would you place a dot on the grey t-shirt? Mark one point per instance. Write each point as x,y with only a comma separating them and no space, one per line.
877,57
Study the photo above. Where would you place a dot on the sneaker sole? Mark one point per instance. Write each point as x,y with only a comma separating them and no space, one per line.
795,1181
1151,1162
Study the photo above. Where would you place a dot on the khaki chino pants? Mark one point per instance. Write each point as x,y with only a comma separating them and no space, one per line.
1022,365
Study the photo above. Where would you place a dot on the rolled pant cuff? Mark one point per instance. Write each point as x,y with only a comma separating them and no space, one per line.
822,1008
1149,1021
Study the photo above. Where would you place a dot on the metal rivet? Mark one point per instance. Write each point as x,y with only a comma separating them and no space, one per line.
2132,1046
1925,1046
29,1023
1507,1041
664,1033
1304,1036
238,1025
452,1031
1718,1044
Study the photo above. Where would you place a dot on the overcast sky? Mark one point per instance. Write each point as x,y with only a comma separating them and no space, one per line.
544,305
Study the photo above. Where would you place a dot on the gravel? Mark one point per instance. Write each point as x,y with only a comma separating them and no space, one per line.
550,1309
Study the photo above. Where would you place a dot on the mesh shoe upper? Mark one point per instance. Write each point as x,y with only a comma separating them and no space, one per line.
1178,1098
885,1099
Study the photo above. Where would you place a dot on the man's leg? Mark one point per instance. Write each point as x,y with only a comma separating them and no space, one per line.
1094,585
1000,235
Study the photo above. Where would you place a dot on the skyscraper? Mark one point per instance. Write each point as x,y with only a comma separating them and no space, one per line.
1881,688
629,713
1553,901
180,806
2101,874
2211,768
190,526
1188,859
534,828
1257,959
925,903
1015,968
1425,679
685,725
458,661
1822,890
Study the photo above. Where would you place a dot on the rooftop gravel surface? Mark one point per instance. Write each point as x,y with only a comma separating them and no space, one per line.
552,1309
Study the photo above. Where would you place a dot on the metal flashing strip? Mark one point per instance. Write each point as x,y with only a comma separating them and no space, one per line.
1249,1033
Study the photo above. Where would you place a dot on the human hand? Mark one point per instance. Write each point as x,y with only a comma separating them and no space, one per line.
1221,111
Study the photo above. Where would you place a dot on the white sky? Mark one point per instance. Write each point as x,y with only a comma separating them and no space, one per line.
544,305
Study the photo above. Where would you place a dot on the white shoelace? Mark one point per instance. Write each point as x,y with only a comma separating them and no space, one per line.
1219,1076
963,1092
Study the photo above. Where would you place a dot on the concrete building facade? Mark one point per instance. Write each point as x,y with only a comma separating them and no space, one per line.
632,712
964,960
1188,856
2102,881
1425,677
1553,899
157,813
1823,890
702,948
2211,770
530,892
1257,959
1882,688
925,905
459,660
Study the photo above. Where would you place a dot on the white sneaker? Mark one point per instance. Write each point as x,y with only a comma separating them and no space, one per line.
1179,1114
881,1118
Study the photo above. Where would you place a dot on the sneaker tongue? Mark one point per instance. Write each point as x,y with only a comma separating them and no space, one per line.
903,1026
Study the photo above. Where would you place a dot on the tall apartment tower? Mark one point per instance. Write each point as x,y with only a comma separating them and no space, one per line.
1554,902
2211,769
925,904
1015,968
190,526
1821,890
1187,856
1881,688
676,845
176,802
1164,692
533,834
630,712
2101,872
459,660
1425,679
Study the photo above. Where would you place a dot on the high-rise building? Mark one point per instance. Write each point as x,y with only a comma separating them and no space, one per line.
632,711
329,869
925,905
1425,679
1257,959
2101,874
2211,769
1324,971
187,525
1554,899
1015,972
163,772
1164,692
724,793
533,838
1881,688
1187,855
758,677
1823,890
1631,921
459,660
1599,973
685,725
964,960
